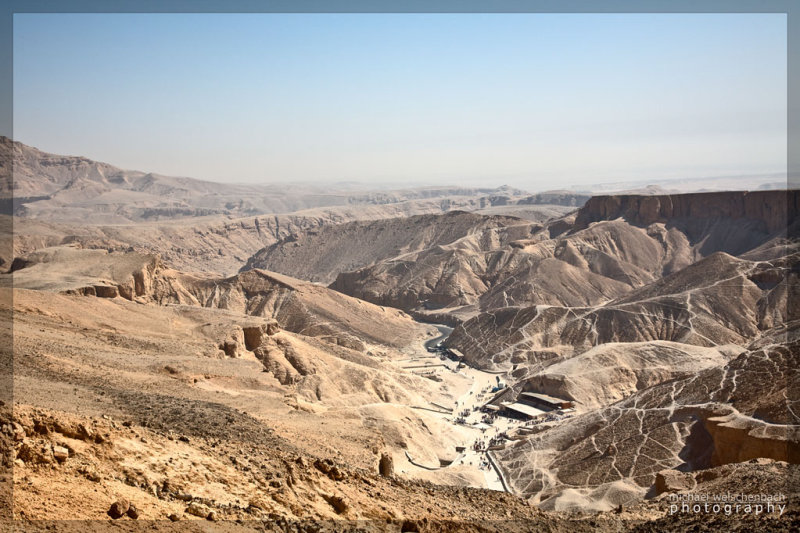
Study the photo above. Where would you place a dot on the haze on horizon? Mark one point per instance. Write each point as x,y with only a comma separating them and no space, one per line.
533,100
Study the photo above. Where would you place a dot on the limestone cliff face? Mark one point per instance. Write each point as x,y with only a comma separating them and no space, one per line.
772,209
614,245
72,270
737,439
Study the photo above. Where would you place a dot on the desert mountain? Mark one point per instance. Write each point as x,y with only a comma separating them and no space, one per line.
609,247
79,190
656,315
144,344
194,366
717,301
317,255
199,226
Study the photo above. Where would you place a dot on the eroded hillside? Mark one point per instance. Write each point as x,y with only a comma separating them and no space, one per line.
631,300
603,357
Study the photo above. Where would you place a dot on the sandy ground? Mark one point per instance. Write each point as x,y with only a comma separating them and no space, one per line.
470,389
87,355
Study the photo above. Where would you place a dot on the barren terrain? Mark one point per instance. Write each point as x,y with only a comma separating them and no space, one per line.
219,363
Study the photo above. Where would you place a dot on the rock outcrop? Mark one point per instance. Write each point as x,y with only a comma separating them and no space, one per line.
72,270
770,211
386,465
119,508
673,481
721,415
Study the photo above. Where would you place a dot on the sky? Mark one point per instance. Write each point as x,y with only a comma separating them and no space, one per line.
538,101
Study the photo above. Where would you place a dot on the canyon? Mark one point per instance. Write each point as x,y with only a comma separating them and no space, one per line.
256,356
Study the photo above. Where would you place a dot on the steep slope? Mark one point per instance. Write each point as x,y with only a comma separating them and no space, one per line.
204,244
146,412
772,211
317,255
297,306
716,301
613,371
733,413
594,257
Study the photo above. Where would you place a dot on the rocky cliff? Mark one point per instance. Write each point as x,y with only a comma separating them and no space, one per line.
614,245
771,210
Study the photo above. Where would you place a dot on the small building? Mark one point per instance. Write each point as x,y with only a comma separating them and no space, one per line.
545,401
521,410
456,354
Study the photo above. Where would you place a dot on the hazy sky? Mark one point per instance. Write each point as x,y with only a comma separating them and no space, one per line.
535,100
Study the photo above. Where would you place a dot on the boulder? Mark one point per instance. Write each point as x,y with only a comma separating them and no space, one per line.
338,502
60,453
198,509
673,481
119,508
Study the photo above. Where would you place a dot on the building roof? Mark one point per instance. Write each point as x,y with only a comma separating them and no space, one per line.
525,409
456,352
545,398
